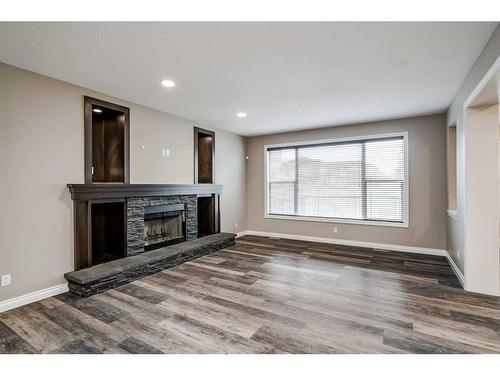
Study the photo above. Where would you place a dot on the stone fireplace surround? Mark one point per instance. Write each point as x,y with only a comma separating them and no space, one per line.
137,263
135,218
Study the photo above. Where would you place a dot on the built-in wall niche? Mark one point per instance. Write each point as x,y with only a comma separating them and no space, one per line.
107,231
204,160
204,155
106,142
208,215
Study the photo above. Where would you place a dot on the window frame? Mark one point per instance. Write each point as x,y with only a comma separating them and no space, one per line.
406,190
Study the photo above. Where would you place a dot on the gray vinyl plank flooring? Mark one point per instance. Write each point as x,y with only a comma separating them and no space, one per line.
267,295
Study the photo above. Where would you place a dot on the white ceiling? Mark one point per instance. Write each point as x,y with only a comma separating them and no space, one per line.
286,76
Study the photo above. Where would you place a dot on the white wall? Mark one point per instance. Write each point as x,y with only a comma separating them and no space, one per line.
456,227
481,247
42,149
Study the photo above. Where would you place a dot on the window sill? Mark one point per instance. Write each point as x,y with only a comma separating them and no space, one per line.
338,221
453,214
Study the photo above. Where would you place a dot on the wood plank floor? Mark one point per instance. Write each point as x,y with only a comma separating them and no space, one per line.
269,296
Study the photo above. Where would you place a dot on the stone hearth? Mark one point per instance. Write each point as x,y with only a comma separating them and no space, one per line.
102,277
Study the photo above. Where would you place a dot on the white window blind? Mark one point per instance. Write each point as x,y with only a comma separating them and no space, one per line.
355,180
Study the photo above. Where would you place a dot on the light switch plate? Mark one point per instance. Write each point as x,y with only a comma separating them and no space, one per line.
5,280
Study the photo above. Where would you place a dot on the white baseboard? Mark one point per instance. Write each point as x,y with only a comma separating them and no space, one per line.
241,234
375,245
33,297
456,270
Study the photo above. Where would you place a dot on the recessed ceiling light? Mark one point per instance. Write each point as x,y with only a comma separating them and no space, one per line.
97,110
241,114
168,83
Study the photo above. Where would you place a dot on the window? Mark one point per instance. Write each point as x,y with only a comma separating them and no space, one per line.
351,180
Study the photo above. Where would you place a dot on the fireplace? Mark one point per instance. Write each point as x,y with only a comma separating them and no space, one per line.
111,218
164,225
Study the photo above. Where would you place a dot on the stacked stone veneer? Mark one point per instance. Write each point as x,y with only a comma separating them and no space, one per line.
135,218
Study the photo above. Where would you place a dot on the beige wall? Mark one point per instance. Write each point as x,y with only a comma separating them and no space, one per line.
452,167
481,247
456,226
427,165
41,150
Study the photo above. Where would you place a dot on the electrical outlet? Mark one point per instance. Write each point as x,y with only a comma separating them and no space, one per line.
335,229
236,225
5,280
165,152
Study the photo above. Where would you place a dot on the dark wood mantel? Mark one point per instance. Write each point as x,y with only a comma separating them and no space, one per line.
83,192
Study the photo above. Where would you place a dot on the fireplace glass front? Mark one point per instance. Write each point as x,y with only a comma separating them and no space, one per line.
164,225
